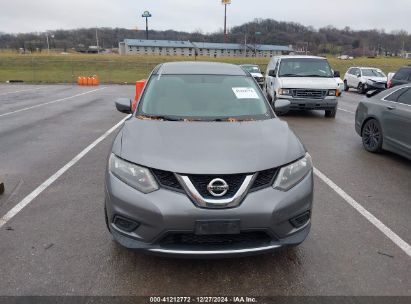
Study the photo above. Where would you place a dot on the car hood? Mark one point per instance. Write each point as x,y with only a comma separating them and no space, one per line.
377,79
209,147
308,83
256,74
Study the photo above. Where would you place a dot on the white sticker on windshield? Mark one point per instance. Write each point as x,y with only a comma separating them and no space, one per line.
245,93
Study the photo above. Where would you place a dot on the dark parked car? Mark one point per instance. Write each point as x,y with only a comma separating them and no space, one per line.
403,76
384,121
203,167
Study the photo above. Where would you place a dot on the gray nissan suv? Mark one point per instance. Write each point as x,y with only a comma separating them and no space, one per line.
204,168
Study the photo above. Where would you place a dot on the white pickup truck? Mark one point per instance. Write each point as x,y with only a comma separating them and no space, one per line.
308,82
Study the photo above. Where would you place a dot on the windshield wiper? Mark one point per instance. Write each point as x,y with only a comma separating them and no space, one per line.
232,119
220,119
289,75
315,75
161,117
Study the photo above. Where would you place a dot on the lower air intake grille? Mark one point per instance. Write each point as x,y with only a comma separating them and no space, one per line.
256,237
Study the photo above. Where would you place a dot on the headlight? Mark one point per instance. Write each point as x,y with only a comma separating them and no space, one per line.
370,81
135,176
284,92
291,175
332,92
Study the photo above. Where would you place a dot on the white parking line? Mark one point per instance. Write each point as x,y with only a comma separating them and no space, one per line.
49,102
364,212
36,192
344,110
6,93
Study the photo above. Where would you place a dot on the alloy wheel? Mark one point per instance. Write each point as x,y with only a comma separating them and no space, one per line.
372,136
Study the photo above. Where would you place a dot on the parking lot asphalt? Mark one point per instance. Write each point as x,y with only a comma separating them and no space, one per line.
58,244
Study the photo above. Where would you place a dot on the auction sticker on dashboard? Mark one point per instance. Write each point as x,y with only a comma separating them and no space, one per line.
245,93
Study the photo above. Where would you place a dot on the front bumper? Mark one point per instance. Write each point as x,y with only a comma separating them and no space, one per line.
260,83
166,212
210,251
375,86
327,103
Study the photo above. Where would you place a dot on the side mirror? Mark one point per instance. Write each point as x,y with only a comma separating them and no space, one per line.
271,73
337,74
282,106
262,72
358,75
123,105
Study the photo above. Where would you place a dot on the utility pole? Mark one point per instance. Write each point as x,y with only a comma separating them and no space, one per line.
48,44
225,3
255,42
98,48
48,41
245,44
146,15
403,48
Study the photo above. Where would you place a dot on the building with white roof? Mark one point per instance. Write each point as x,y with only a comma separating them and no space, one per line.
188,48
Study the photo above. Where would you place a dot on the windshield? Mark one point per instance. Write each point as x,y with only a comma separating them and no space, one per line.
305,67
252,68
372,73
203,97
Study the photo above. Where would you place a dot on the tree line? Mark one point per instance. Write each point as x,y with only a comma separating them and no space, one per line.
326,40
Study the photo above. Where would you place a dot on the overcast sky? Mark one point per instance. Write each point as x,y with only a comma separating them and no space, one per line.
207,15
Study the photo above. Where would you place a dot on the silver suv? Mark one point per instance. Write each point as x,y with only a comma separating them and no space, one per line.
204,168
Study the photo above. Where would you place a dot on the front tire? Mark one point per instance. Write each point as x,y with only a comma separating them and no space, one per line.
346,87
106,218
273,101
361,88
269,98
372,136
331,113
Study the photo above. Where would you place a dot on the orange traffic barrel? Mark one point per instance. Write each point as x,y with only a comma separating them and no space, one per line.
139,89
95,81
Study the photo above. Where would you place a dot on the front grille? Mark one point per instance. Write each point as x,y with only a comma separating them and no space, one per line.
264,179
305,93
191,239
200,182
167,179
380,84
